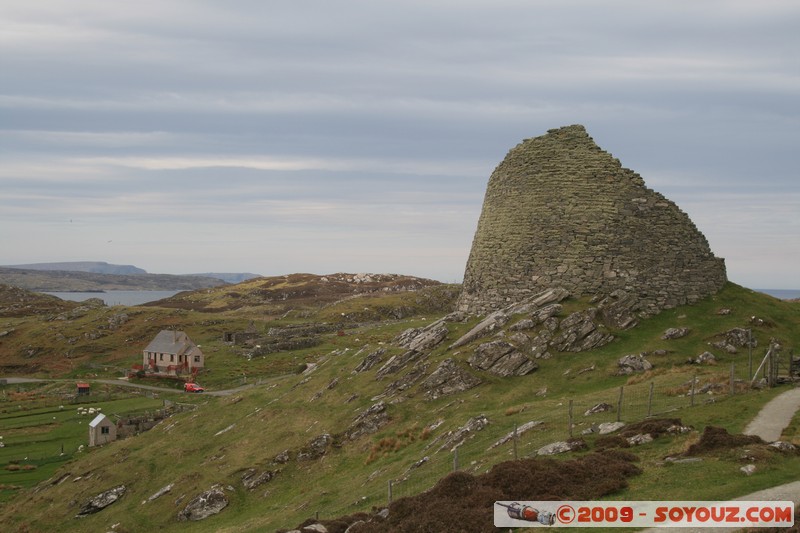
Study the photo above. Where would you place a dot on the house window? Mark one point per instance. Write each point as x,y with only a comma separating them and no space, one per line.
161,357
104,430
196,358
172,358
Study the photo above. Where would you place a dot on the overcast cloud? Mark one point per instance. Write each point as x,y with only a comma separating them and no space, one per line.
325,136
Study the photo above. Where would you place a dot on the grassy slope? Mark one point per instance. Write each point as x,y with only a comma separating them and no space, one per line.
194,452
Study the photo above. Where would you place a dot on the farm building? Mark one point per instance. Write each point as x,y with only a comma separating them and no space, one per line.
101,430
172,353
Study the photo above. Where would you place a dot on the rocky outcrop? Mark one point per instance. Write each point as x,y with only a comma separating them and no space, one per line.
370,360
579,332
453,439
560,211
204,505
502,359
448,379
369,421
315,449
101,501
254,478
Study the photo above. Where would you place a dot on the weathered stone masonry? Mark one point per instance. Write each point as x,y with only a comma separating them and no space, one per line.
560,211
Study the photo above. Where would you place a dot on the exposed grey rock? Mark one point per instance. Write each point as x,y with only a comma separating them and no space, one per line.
578,332
549,311
705,358
282,457
641,438
618,310
206,504
609,427
502,359
739,337
316,448
520,339
522,325
101,501
252,478
537,301
160,492
748,470
675,333
486,326
369,421
407,381
599,408
783,446
398,362
428,338
561,447
314,528
454,439
631,364
370,360
449,378
527,426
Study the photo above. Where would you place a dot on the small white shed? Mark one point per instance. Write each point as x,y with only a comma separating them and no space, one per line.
101,430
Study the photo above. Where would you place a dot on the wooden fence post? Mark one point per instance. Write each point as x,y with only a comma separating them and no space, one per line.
694,380
390,492
619,403
570,420
650,400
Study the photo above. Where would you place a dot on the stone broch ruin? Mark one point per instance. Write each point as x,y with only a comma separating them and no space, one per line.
561,212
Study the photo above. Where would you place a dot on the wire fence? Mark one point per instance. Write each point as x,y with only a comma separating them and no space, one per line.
481,443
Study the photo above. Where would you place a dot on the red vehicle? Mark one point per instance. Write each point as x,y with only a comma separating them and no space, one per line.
192,387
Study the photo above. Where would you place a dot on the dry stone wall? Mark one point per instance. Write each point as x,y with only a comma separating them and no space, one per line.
560,211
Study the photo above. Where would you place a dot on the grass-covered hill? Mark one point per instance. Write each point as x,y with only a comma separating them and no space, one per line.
71,280
384,397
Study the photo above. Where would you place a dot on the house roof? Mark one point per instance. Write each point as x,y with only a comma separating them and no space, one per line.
99,418
173,342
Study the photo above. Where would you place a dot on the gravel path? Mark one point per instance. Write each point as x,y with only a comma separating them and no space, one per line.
768,424
775,416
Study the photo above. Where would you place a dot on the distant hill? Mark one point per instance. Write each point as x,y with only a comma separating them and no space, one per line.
229,277
96,267
68,281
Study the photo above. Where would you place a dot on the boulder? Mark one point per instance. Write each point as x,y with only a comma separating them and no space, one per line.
101,501
705,358
206,504
407,381
561,447
641,438
783,446
675,333
599,408
631,364
449,378
609,427
748,470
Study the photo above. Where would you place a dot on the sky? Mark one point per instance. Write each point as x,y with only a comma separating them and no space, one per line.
358,136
